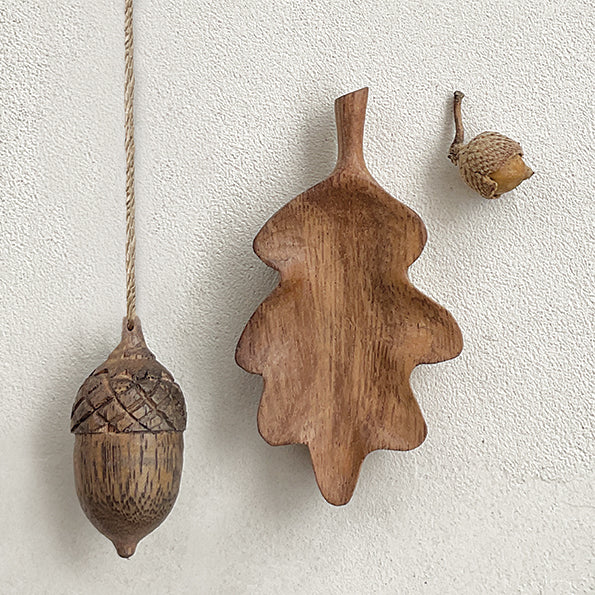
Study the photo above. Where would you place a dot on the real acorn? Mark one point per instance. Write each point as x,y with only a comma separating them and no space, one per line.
491,163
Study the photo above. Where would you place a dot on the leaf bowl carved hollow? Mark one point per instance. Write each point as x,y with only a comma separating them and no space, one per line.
338,338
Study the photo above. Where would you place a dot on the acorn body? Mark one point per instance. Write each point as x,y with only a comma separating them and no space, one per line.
491,163
128,420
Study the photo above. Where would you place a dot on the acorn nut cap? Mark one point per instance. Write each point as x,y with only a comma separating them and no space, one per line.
130,392
491,163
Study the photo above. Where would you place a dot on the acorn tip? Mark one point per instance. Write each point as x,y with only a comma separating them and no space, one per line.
125,549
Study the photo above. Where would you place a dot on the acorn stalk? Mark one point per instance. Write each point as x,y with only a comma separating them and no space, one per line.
491,163
128,419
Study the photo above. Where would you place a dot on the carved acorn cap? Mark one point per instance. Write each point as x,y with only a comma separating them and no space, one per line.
130,392
491,163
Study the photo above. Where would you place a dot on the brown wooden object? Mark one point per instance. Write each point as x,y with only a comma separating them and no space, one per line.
337,340
128,418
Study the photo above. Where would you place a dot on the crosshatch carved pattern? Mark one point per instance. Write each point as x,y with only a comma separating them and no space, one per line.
129,397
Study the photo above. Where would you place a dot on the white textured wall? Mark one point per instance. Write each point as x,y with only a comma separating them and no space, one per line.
234,118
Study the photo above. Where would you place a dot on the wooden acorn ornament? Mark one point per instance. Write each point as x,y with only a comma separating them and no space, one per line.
338,338
129,415
128,419
491,163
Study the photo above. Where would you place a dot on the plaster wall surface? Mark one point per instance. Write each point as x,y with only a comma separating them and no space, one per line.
234,115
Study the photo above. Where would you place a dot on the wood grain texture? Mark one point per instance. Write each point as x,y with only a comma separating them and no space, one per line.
128,419
337,340
127,483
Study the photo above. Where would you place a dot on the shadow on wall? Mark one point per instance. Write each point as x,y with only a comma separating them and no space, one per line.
73,537
284,475
442,181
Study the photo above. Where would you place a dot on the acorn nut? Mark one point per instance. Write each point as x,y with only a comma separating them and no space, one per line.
491,163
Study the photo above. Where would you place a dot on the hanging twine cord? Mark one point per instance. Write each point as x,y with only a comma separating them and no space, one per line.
129,145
